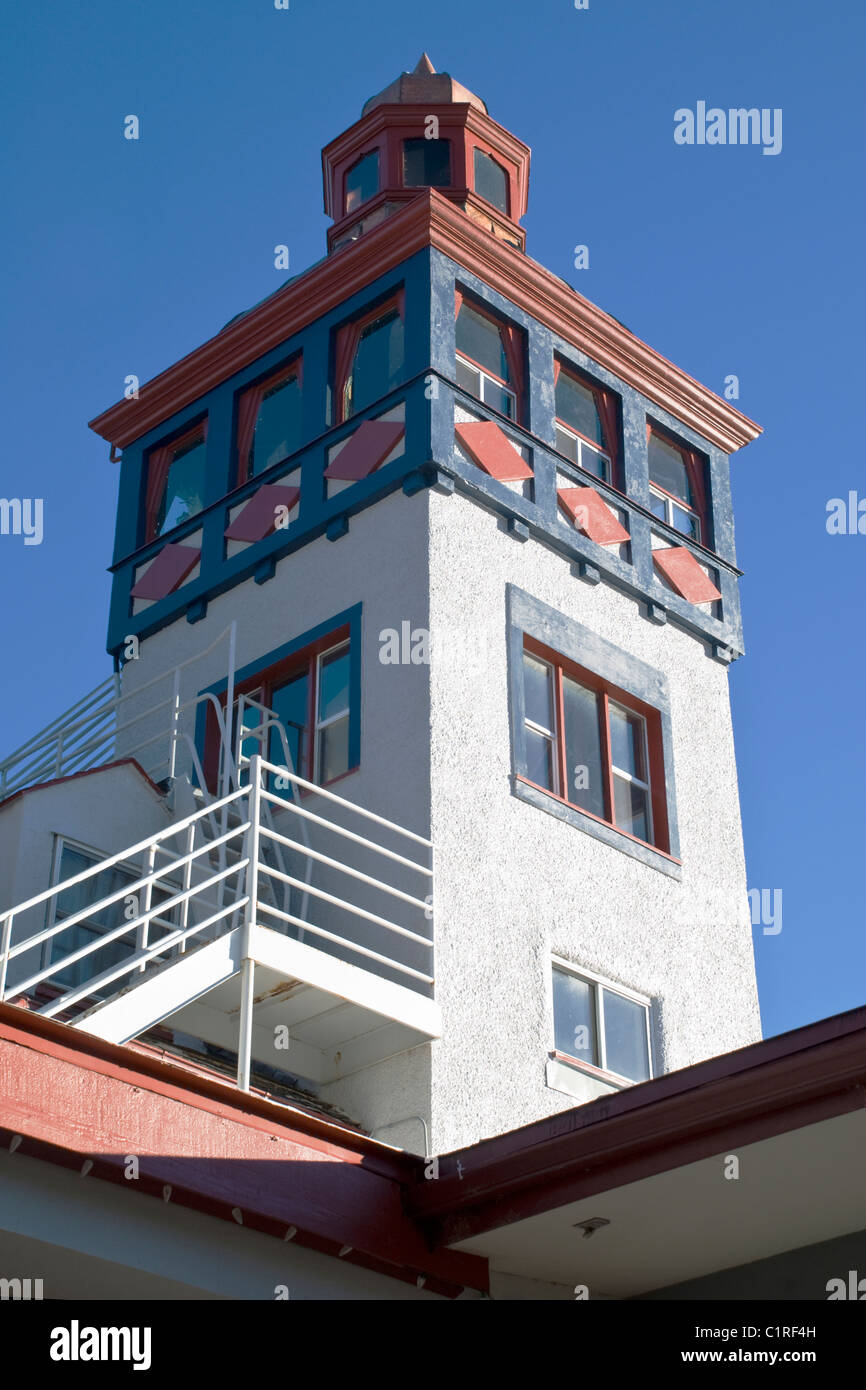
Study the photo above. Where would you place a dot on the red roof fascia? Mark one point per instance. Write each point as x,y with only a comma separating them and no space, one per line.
768,1088
73,1097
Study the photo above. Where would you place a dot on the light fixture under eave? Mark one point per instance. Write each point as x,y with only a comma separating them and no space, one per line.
591,1226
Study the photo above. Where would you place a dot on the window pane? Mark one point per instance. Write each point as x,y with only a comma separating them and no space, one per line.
625,1037
685,522
334,684
278,426
498,398
574,1029
491,181
538,691
362,181
631,808
290,703
658,506
75,899
575,406
566,444
593,462
583,747
378,361
479,338
539,759
667,468
426,163
469,378
333,750
184,489
627,741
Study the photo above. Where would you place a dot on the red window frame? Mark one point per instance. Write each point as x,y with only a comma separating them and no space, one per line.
606,404
261,687
347,339
159,461
513,343
244,426
506,167
655,752
695,465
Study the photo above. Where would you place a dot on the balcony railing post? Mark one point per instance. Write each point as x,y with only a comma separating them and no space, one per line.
5,943
250,920
143,930
175,718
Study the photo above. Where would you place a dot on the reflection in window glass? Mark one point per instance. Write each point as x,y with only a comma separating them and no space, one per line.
583,748
362,181
491,181
378,362
278,425
184,489
574,1017
426,163
625,1037
576,406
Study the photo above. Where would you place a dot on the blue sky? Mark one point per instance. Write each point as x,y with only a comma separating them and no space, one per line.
122,256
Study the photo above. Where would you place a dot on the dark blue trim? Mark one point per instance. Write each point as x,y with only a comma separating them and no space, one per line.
529,616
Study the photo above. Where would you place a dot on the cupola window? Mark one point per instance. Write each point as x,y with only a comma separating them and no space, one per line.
362,181
426,163
491,181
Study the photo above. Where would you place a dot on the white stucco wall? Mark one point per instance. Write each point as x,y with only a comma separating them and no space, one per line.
513,885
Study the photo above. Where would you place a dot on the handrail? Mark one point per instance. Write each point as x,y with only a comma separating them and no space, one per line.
186,896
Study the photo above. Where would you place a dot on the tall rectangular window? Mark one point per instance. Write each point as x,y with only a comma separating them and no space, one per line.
586,423
677,485
592,745
297,713
491,181
370,354
269,422
426,163
362,180
601,1025
489,358
175,482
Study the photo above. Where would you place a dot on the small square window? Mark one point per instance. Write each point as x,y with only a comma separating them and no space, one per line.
426,163
601,1025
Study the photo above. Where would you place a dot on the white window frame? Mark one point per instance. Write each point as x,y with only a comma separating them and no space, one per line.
550,734
600,982
670,502
483,378
581,444
629,776
334,718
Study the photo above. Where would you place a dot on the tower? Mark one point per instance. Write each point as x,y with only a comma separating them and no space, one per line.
426,534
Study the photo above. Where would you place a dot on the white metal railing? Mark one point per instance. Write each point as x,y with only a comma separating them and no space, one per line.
183,896
92,731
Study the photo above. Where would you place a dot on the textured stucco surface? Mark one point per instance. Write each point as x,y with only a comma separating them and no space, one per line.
515,885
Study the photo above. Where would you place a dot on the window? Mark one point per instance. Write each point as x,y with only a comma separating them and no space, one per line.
362,181
592,745
488,359
72,859
586,424
309,694
269,422
491,181
601,1025
175,482
426,163
676,484
370,354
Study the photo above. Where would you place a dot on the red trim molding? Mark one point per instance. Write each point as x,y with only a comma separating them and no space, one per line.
71,1097
770,1088
429,219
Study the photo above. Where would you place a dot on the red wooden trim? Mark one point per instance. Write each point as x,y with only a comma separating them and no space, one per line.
72,1096
366,450
684,574
166,572
612,1077
427,219
257,518
589,512
757,1092
491,450
600,820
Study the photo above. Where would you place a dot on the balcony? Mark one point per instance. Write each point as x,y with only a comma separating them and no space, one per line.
281,921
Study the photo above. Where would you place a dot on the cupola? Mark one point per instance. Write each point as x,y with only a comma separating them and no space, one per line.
425,130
